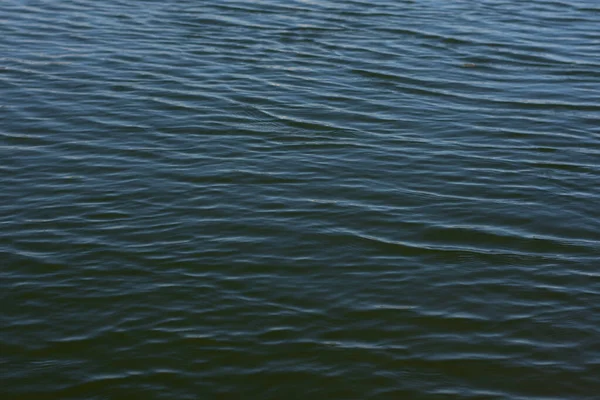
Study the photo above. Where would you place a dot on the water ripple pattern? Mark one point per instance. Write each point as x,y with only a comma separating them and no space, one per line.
323,199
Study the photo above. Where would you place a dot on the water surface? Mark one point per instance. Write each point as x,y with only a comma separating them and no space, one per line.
300,199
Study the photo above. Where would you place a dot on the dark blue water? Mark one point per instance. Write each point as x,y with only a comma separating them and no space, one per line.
300,199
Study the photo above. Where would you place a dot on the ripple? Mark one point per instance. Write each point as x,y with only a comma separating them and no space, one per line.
303,198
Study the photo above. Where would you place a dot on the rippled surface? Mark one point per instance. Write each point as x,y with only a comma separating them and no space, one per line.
293,199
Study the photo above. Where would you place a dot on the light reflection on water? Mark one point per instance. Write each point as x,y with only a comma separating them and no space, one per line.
304,198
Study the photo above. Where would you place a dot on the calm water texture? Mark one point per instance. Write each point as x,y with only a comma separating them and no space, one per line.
300,199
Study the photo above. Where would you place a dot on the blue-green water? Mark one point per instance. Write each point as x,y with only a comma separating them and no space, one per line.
300,199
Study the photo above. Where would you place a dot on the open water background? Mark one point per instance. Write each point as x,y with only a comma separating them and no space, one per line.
300,199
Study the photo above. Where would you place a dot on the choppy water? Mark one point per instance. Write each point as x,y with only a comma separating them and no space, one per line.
300,199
